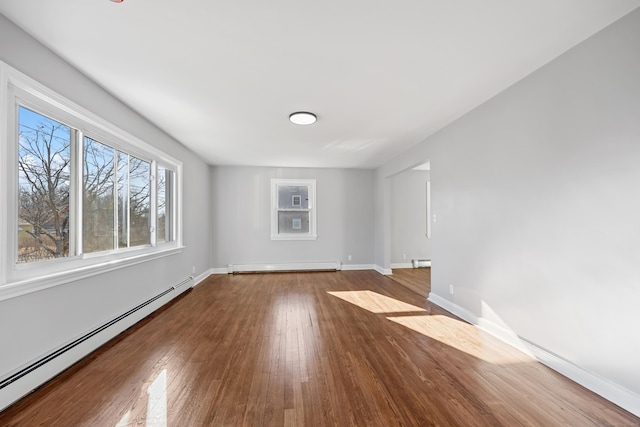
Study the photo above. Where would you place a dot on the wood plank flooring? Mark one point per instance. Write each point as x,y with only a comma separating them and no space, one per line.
416,279
305,349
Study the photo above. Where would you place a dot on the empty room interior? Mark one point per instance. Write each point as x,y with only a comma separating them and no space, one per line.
344,213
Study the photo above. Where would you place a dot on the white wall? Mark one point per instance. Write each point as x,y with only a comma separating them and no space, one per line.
34,324
241,216
409,217
537,195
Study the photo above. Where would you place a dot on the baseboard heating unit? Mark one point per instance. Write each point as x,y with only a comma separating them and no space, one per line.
283,268
59,352
419,263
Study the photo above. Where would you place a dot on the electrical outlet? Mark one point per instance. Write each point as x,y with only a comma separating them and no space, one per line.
348,257
193,269
404,256
451,289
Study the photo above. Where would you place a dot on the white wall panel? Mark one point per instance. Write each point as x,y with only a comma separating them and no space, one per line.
537,200
241,216
32,325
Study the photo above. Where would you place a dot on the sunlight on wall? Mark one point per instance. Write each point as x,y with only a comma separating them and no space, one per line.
490,321
376,303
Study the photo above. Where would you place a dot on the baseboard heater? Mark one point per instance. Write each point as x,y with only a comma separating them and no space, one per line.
283,268
419,263
46,359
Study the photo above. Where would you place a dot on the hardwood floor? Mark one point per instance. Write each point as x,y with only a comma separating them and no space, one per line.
416,279
335,349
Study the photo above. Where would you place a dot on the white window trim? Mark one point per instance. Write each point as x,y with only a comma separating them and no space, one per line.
312,235
19,279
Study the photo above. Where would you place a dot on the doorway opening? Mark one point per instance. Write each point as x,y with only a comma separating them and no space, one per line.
410,228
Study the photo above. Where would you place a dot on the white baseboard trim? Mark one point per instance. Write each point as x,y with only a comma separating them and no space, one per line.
615,393
423,263
381,270
201,277
346,267
40,375
497,331
219,270
401,265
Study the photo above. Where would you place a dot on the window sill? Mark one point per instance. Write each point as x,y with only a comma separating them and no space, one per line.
294,237
45,281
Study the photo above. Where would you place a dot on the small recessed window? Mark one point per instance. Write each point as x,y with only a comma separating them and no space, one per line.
293,209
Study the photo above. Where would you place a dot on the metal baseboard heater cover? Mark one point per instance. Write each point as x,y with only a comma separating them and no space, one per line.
418,263
49,357
282,268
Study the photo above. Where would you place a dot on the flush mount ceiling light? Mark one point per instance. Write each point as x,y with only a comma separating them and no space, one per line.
303,118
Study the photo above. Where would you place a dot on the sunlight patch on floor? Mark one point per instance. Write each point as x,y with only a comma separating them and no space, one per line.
124,421
156,405
376,303
459,335
157,402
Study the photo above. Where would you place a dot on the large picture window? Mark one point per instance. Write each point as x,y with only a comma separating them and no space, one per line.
293,214
80,193
116,193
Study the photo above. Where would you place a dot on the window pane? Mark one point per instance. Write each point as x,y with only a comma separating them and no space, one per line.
293,197
122,177
165,205
139,201
98,229
293,222
44,157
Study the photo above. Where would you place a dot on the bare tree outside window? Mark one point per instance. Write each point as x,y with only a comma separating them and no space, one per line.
116,193
139,201
161,216
164,202
44,157
82,193
98,197
111,176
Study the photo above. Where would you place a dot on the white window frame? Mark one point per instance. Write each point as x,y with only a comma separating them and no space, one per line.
171,189
19,279
311,185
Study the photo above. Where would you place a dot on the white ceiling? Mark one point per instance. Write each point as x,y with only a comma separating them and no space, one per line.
223,77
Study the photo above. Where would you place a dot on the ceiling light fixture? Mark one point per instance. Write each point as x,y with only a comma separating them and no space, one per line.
303,118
